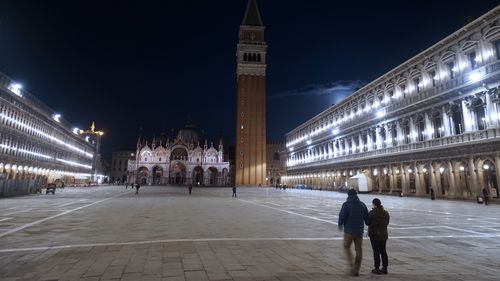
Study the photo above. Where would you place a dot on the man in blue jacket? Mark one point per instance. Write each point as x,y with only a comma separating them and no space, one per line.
352,219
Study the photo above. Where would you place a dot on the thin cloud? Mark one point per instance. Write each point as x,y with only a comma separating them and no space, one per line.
338,88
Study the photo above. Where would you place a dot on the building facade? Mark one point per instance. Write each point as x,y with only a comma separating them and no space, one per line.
250,154
274,164
179,162
119,165
38,146
432,123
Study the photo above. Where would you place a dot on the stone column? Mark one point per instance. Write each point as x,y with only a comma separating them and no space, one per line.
388,135
468,122
413,131
433,178
369,140
474,184
429,128
497,167
446,123
361,145
404,180
378,137
418,188
390,172
451,180
400,133
491,114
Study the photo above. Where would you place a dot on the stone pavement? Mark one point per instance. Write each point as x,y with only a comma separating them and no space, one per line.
108,233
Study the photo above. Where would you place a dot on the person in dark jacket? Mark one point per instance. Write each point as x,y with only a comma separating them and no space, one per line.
234,191
352,219
378,219
486,196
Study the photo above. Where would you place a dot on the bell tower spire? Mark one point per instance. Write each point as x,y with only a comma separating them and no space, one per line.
250,162
252,15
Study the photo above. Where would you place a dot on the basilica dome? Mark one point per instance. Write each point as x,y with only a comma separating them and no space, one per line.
189,133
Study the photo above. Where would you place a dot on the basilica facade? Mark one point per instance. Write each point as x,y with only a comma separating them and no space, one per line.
430,125
181,161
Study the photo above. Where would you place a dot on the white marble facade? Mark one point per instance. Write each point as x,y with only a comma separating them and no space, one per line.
182,161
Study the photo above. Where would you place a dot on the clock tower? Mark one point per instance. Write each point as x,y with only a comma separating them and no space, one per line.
250,165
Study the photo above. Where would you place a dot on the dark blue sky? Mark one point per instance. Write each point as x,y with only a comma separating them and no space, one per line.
128,64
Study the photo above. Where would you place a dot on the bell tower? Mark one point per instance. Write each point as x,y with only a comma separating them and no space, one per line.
250,165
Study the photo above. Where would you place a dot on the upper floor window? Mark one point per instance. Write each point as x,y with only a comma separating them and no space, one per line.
451,67
472,59
432,74
417,84
276,156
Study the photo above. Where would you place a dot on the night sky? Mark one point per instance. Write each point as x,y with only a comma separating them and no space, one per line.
127,64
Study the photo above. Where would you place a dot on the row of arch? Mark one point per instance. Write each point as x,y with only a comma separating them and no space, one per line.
457,178
180,175
252,57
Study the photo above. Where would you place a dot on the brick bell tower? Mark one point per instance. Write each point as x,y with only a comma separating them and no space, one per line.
250,165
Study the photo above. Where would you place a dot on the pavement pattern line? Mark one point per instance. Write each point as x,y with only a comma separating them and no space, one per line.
132,243
290,212
398,228
55,216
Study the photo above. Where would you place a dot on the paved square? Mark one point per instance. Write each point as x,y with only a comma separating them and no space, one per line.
108,233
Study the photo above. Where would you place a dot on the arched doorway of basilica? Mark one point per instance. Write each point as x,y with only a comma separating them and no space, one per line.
142,175
157,175
177,173
212,175
198,175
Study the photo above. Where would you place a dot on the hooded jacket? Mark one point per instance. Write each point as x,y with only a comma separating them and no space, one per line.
353,215
378,219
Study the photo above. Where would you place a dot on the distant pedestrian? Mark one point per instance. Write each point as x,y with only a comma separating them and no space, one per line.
234,192
126,185
433,194
190,187
378,219
137,186
352,219
486,196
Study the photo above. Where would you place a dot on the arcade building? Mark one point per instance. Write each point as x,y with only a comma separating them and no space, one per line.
38,146
431,123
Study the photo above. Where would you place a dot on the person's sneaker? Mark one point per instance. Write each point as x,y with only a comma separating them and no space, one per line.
383,270
376,271
354,273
